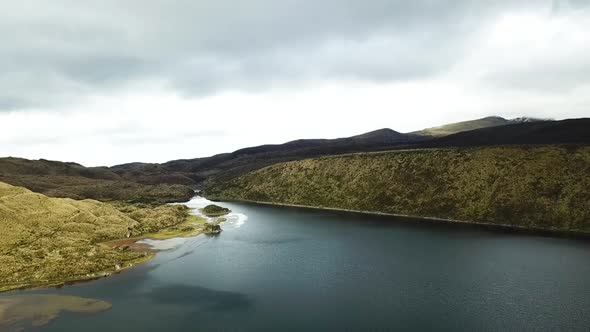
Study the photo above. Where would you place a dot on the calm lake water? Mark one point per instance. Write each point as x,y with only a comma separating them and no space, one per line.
296,269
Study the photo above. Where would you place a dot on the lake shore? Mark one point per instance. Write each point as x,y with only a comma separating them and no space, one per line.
193,226
426,219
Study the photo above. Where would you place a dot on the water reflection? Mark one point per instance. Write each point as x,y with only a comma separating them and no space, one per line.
23,311
200,298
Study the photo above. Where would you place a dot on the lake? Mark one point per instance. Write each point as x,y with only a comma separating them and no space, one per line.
297,269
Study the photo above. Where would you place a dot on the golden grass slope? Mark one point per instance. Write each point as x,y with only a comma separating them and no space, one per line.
44,239
457,127
532,187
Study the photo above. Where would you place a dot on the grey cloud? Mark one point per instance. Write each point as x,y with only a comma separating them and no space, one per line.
11,103
53,53
554,78
560,6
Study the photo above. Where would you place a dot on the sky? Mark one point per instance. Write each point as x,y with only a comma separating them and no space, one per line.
109,82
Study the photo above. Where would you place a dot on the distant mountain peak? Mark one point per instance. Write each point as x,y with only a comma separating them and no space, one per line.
528,119
489,121
491,117
380,133
380,137
453,128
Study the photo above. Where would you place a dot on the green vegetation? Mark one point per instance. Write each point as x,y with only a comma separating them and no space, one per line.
45,241
21,312
70,180
215,211
103,190
212,228
192,226
531,187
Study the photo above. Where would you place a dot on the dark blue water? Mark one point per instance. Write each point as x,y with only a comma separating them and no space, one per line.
298,269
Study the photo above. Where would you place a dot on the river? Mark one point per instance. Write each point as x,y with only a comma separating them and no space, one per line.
296,269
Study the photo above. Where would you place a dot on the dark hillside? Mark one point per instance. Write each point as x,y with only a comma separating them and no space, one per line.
203,171
572,131
71,180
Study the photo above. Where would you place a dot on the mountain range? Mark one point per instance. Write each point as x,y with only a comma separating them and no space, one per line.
175,180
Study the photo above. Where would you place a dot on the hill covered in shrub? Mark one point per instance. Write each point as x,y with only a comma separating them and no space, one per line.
46,240
532,187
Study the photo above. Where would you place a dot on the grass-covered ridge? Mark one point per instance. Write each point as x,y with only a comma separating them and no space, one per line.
46,240
71,180
532,187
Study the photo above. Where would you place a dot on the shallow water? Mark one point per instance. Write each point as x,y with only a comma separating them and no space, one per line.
286,268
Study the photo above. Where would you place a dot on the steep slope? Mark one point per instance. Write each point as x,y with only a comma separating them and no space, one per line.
44,240
531,187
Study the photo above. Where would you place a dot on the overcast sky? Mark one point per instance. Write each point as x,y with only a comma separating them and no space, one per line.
114,81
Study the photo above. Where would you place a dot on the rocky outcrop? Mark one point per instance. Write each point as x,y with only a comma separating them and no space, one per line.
212,228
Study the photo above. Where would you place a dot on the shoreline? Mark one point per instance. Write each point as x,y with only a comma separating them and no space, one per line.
59,283
431,220
132,245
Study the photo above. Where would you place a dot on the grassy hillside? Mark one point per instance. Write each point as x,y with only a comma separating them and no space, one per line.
46,239
453,128
534,187
71,180
491,131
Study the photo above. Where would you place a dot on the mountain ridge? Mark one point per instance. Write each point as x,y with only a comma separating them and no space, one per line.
175,180
486,122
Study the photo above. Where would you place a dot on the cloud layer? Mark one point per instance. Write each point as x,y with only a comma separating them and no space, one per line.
56,52
115,73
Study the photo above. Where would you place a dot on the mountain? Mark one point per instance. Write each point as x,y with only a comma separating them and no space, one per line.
225,166
453,128
496,131
173,180
43,167
571,131
71,180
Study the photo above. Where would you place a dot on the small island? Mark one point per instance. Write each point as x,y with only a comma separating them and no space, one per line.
214,211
